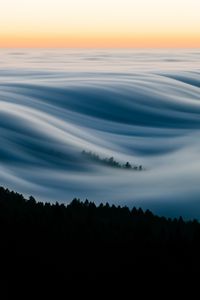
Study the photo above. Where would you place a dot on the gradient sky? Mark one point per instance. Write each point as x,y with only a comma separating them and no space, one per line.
99,23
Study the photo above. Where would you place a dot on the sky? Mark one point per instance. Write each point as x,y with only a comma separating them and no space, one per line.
100,23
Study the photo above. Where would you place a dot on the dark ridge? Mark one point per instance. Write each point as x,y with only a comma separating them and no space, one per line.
81,242
110,161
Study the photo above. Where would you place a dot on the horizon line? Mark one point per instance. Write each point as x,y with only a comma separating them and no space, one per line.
101,47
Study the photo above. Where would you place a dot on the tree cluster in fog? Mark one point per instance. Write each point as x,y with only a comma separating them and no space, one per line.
110,161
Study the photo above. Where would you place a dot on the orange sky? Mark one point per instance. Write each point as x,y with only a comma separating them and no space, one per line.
100,23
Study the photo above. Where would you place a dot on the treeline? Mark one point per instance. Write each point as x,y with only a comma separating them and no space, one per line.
110,161
82,239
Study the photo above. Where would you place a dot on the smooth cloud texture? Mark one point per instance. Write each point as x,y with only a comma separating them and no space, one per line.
138,106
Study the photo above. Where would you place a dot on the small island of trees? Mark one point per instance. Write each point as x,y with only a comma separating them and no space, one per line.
110,161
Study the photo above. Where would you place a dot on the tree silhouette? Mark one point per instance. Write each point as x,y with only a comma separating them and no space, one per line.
111,162
82,238
128,165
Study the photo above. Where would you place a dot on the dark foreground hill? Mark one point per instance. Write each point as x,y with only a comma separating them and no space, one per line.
57,243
